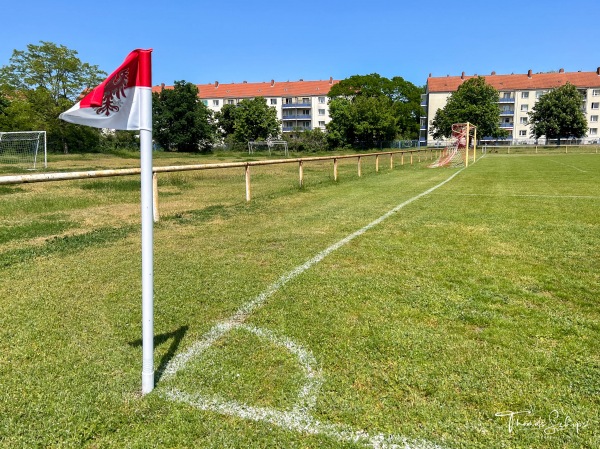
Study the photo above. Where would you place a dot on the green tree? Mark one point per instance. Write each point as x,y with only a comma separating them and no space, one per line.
181,121
255,120
226,119
4,103
42,82
361,120
476,102
370,108
53,68
559,114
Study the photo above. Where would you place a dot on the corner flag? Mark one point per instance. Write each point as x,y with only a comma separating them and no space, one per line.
124,101
116,103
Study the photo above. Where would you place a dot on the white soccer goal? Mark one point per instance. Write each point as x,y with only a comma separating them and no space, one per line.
23,148
270,143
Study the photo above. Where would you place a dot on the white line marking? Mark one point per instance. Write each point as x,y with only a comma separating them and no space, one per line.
299,422
297,418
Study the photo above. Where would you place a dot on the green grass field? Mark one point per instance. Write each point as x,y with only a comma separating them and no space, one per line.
468,318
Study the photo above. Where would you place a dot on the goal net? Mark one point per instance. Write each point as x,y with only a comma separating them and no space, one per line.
464,136
26,148
270,143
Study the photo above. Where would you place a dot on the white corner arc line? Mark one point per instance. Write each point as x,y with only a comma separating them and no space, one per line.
295,419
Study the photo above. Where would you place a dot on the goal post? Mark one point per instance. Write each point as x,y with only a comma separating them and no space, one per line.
27,148
457,154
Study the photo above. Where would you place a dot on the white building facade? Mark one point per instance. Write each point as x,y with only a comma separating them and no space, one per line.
517,97
300,105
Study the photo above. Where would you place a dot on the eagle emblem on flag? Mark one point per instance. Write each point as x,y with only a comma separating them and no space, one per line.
114,92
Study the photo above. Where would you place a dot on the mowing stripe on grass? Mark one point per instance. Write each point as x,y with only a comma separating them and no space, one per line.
298,418
567,165
523,195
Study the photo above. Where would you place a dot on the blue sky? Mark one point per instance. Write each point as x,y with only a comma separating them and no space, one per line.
233,40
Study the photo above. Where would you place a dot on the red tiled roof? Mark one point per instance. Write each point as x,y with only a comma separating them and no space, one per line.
265,89
519,82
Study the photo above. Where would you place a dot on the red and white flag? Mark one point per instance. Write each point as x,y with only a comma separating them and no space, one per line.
117,103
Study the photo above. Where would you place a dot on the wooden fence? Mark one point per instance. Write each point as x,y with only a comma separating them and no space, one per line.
49,177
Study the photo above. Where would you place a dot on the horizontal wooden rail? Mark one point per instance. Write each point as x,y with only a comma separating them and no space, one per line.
67,176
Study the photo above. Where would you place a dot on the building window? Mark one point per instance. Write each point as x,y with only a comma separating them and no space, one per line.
593,118
215,102
593,131
596,92
205,102
273,100
321,123
595,105
322,100
523,133
524,108
306,100
524,121
539,93
321,111
229,101
524,94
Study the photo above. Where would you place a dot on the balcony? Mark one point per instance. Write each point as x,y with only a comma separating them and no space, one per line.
507,112
295,128
296,105
507,125
506,100
297,117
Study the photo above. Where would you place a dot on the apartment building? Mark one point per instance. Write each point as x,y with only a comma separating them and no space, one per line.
299,104
518,94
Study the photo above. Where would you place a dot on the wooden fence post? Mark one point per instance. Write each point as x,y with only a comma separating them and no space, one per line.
335,169
411,158
247,173
359,173
391,161
301,173
402,159
377,163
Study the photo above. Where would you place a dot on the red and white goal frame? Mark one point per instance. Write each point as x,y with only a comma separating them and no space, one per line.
457,154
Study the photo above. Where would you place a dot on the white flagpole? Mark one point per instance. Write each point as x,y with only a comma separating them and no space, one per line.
147,241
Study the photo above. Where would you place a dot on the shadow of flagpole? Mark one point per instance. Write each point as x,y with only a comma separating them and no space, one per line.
176,336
